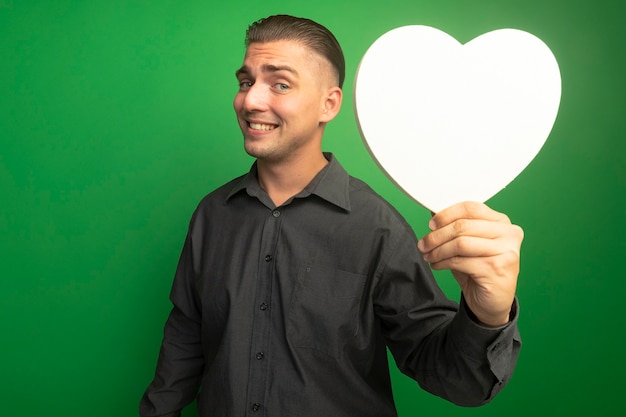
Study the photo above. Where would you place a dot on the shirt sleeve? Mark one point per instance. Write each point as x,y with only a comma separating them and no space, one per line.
179,367
434,340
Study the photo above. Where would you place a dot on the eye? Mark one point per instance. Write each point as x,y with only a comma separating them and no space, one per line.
244,85
282,87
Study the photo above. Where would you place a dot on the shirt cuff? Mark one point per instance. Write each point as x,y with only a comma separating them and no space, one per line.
500,344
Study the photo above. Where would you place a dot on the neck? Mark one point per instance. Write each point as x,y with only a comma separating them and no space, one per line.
282,180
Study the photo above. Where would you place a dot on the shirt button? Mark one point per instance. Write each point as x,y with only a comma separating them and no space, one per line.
276,213
256,407
263,306
268,258
259,356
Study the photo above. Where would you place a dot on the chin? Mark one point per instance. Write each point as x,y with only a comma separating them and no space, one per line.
253,151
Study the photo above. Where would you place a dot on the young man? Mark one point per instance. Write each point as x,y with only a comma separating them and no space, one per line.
295,278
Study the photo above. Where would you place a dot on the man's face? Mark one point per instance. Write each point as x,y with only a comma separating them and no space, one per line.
281,102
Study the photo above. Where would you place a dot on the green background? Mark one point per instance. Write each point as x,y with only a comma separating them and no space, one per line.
116,118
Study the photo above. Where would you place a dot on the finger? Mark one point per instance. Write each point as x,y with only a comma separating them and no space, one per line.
471,246
502,266
463,228
466,210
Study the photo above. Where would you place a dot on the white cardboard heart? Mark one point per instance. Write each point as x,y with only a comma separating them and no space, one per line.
449,122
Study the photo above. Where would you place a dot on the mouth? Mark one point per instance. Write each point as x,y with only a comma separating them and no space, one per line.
261,126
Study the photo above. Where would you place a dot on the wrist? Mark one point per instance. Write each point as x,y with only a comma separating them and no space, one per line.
490,321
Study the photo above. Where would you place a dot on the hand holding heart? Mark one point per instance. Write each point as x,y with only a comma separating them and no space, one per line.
482,249
449,122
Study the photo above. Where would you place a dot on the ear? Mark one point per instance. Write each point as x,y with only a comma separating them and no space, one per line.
331,104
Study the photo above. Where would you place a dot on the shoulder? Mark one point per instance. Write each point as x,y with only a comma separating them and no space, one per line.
217,199
367,203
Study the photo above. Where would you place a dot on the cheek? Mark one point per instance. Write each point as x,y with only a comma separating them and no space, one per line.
237,101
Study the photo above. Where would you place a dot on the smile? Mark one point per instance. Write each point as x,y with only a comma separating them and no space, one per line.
261,126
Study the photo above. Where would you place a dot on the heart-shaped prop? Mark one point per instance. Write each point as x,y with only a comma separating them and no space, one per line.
449,122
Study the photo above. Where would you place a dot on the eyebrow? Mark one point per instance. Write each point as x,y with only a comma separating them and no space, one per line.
244,70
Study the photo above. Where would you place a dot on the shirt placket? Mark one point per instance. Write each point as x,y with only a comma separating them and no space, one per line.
261,326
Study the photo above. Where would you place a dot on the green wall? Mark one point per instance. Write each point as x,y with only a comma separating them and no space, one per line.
116,118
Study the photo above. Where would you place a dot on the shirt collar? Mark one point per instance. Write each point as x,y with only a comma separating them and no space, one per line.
330,184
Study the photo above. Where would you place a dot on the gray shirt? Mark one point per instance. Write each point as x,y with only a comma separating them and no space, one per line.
289,311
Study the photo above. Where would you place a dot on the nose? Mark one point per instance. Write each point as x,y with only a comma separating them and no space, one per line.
254,98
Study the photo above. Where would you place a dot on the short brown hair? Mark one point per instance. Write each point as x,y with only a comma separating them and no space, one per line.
310,33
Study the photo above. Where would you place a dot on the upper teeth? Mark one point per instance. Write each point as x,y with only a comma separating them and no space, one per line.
259,126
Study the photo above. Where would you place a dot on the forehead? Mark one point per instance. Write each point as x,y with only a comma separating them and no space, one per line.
287,54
